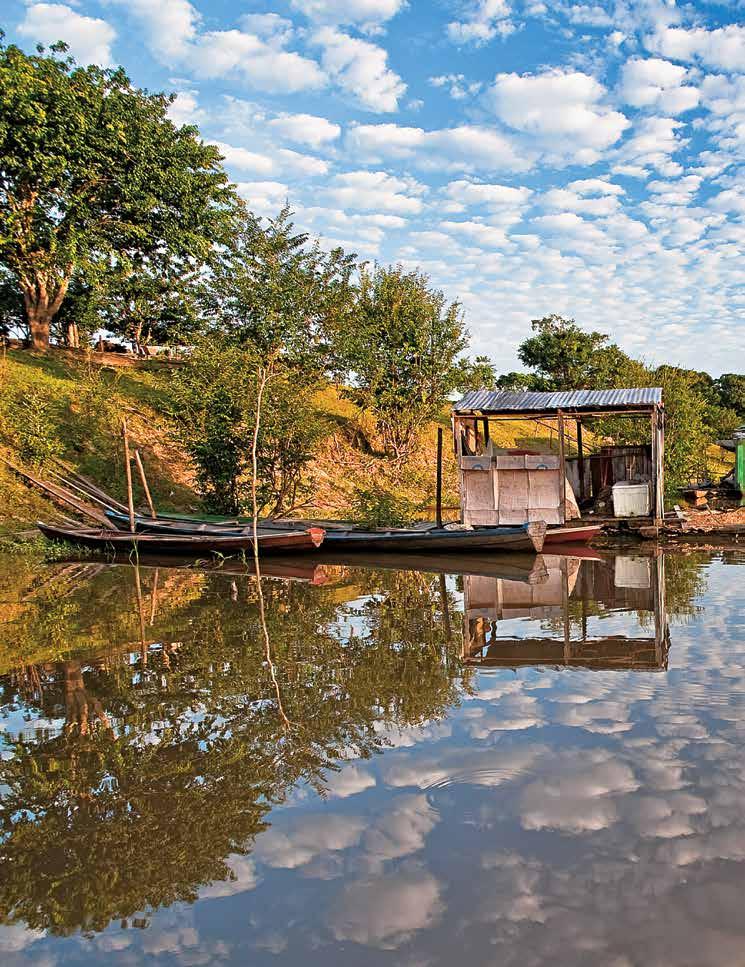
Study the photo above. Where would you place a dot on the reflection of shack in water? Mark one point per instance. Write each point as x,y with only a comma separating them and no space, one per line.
573,592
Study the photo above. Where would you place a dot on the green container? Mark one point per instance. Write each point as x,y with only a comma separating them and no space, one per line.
740,467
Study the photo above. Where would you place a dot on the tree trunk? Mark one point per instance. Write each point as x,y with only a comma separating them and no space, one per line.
39,326
72,335
42,305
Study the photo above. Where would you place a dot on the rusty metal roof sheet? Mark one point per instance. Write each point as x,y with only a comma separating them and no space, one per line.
491,401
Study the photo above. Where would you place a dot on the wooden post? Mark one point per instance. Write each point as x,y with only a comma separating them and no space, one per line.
562,467
438,492
660,468
128,469
581,462
143,478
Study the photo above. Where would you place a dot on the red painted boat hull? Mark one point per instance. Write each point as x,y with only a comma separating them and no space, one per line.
582,534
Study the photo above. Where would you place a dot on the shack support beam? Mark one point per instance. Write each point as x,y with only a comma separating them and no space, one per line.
562,468
580,461
658,452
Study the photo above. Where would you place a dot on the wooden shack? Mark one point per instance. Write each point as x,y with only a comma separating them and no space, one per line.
556,484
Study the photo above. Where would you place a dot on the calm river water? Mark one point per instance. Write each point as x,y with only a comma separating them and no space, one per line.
515,761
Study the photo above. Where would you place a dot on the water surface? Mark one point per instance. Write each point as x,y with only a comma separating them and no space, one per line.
522,761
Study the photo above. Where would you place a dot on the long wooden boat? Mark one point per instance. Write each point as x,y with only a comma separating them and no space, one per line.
522,537
274,542
580,533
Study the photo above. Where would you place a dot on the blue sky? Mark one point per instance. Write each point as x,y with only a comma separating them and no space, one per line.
532,156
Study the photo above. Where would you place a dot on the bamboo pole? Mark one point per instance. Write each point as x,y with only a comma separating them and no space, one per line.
438,493
143,478
128,468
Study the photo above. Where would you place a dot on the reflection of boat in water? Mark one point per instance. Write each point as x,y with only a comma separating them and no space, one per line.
575,588
284,567
523,568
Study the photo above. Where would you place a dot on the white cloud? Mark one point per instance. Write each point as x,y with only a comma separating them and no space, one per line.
256,53
480,233
367,13
170,24
280,161
721,49
652,144
361,69
463,148
457,86
657,84
89,38
595,186
591,14
244,160
376,190
466,193
268,26
563,110
264,197
566,200
221,53
186,110
305,129
484,20
731,200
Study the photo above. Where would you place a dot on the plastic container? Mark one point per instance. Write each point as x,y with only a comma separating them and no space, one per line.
631,499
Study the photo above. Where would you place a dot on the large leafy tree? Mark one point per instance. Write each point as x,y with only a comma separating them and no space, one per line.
565,357
92,172
403,350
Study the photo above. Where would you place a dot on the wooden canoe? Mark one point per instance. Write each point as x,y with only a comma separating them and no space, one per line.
523,537
275,542
580,534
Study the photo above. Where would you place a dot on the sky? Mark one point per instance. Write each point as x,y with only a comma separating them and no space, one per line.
582,157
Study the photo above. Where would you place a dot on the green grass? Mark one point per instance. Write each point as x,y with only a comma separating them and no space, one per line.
86,401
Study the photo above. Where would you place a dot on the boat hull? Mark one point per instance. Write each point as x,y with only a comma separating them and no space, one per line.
490,539
581,534
289,542
520,538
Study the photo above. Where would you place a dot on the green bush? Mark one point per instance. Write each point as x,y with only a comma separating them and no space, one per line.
31,421
378,507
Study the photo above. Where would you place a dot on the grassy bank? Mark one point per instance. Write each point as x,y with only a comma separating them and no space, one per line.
71,405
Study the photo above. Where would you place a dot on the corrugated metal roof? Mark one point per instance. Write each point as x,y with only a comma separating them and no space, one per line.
490,401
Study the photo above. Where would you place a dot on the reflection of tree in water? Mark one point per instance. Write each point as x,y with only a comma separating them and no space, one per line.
168,765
